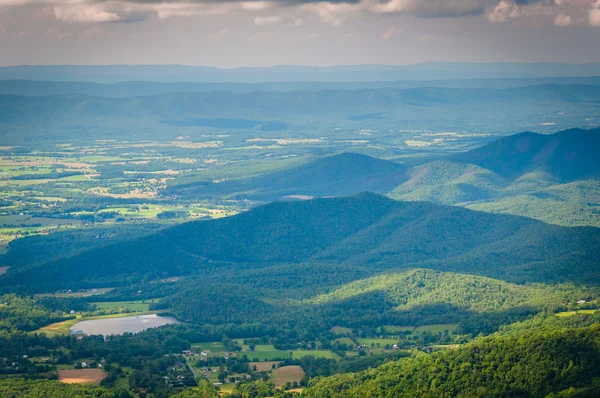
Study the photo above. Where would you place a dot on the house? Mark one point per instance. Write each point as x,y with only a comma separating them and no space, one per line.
72,312
84,365
581,302
395,347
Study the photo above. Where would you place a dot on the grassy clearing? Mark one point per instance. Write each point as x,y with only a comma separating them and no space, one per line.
397,329
345,340
338,330
571,313
214,346
451,327
315,353
137,306
287,374
382,342
260,366
266,352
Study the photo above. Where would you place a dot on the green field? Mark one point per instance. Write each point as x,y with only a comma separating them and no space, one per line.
382,342
127,305
571,313
215,346
341,330
440,328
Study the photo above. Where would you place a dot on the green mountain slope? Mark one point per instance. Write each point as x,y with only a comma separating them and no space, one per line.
365,230
412,297
339,175
531,364
553,178
567,155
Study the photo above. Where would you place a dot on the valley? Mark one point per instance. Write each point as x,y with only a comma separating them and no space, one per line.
413,240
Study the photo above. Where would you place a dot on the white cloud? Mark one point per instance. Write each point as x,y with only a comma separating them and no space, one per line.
388,33
563,20
267,20
55,34
502,12
334,12
594,14
85,13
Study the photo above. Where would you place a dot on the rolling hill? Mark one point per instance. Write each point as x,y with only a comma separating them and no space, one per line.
553,178
337,175
568,155
366,230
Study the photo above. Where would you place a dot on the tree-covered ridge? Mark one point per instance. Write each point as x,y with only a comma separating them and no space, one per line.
420,287
530,364
568,155
366,230
415,297
338,175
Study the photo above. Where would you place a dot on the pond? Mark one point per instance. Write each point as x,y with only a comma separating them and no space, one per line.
130,324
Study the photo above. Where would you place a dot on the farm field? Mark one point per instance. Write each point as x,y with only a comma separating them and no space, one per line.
215,346
81,376
287,374
134,306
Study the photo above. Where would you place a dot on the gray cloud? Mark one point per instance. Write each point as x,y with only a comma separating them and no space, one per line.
331,11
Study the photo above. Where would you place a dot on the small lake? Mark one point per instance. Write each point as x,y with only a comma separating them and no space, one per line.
130,324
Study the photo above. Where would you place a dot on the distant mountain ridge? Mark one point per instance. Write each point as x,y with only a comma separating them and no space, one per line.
146,88
280,73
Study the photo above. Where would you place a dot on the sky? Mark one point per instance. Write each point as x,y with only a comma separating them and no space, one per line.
234,33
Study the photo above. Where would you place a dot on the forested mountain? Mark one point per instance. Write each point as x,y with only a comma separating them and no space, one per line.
337,175
553,178
365,230
414,297
532,364
567,155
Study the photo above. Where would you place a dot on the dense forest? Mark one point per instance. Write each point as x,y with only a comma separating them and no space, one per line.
366,230
531,364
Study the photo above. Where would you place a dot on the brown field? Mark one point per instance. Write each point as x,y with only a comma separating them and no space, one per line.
81,376
287,373
3,270
260,366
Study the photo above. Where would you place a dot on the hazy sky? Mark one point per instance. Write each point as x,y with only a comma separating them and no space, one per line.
257,33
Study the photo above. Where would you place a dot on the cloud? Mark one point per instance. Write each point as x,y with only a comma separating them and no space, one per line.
563,20
594,14
334,12
267,20
388,33
55,35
